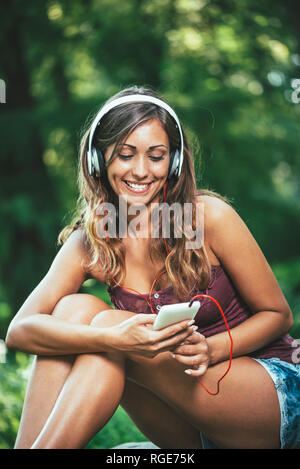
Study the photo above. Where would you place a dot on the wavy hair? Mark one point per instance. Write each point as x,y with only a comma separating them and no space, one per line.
186,268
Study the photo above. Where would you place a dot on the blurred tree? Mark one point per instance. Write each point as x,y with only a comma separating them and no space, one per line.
29,205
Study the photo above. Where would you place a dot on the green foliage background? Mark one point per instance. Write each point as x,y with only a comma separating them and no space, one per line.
227,67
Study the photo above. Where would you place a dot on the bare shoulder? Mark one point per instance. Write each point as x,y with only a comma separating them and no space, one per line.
80,248
223,225
64,277
238,252
216,211
77,247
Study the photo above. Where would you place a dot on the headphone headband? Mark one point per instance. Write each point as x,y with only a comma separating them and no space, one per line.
133,98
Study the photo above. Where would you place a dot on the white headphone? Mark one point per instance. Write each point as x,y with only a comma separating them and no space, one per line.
95,158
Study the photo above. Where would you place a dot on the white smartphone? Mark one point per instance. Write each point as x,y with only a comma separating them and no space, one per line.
170,314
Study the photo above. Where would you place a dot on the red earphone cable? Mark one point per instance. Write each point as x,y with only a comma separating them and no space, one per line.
164,217
193,299
122,286
231,343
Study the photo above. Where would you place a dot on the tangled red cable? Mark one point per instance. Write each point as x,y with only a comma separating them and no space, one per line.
191,301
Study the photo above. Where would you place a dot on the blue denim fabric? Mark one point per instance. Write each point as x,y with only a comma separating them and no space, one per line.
286,378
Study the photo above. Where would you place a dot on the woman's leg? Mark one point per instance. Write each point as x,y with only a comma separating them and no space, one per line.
50,373
245,413
157,421
88,399
91,394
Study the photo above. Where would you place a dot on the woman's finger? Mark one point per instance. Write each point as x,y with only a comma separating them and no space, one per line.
189,349
194,360
193,345
142,318
198,372
174,341
194,338
173,329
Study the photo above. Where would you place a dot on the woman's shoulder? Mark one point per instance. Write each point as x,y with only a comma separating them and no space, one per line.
78,246
216,209
82,246
78,240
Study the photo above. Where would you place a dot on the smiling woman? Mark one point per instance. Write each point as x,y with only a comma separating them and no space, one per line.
139,169
138,149
92,358
155,153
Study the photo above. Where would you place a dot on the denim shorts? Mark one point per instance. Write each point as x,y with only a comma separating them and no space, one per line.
286,379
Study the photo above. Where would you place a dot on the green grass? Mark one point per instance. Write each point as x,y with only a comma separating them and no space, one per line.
118,430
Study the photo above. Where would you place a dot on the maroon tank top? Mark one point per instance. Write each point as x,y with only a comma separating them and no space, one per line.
208,319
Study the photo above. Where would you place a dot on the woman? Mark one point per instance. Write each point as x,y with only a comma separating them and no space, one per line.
91,358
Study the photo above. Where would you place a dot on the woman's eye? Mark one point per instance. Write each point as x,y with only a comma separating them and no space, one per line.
125,157
156,158
152,157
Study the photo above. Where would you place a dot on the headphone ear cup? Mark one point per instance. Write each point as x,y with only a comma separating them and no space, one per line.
174,163
90,163
97,162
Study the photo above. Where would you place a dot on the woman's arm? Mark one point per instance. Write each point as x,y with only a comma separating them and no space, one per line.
41,334
34,329
233,244
239,253
251,335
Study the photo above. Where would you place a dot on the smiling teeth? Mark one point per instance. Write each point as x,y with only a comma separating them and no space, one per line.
137,186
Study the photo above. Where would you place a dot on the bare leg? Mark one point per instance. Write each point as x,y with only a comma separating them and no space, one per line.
157,421
73,423
91,393
245,414
89,398
50,373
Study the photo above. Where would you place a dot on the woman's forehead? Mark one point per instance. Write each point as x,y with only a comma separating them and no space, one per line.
150,131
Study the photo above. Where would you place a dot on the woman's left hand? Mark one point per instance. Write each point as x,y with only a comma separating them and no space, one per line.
193,353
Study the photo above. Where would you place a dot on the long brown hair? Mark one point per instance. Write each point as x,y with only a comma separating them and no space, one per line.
186,268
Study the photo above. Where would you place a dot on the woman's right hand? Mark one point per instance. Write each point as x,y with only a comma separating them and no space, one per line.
135,335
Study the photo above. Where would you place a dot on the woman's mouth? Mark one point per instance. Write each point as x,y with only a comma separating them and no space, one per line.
135,187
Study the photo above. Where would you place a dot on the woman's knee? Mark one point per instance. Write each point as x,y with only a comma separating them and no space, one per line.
79,308
110,317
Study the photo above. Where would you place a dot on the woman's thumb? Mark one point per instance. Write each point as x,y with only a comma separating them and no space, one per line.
146,318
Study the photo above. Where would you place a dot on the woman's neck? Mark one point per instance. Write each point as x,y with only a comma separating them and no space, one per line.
139,221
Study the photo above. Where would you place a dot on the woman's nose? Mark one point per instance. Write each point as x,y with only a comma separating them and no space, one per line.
139,168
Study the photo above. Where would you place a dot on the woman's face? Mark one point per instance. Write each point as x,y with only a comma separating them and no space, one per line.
140,166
